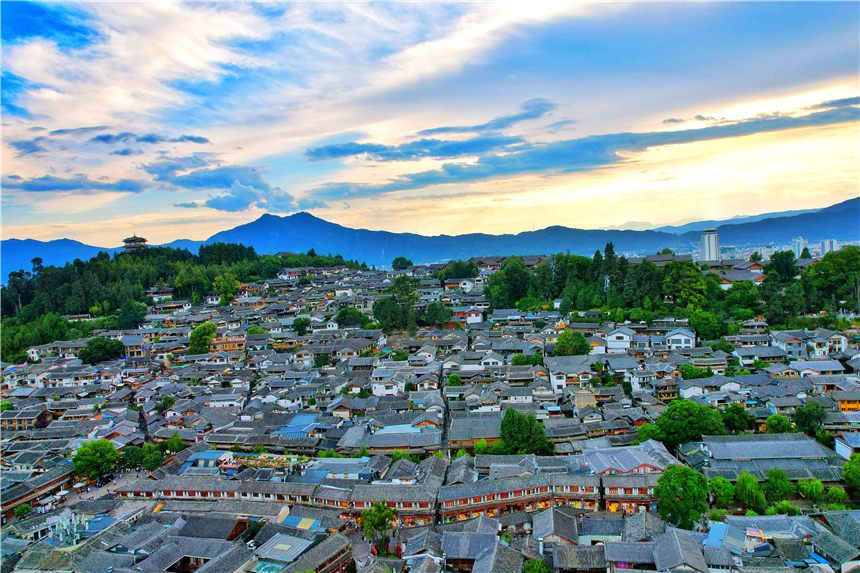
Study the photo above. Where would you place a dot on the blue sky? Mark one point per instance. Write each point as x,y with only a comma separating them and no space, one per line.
179,120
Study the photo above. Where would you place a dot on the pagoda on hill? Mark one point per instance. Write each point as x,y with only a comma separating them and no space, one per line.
134,243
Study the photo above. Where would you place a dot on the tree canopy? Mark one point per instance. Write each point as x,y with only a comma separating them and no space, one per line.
683,494
101,349
685,421
524,434
200,339
571,343
401,263
94,459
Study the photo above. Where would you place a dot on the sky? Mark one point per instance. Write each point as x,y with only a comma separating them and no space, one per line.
175,120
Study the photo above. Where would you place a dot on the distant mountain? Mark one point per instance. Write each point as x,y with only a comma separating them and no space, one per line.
840,221
302,232
700,225
17,254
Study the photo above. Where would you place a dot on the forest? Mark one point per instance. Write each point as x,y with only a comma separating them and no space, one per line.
642,292
114,288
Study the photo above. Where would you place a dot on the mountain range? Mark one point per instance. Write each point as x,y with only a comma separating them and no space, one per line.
302,231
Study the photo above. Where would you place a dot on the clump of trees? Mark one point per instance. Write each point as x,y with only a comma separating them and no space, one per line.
95,459
683,494
520,434
113,288
100,350
683,421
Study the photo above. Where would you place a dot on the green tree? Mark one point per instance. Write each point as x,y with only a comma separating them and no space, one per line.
255,330
519,359
94,459
401,263
778,424
350,316
481,447
175,443
524,434
684,282
536,566
784,264
805,253
23,511
301,325
461,453
778,486
683,494
200,339
226,284
650,432
390,314
571,343
643,281
165,404
321,361
5,405
705,324
260,450
437,314
851,471
508,285
690,372
736,418
131,315
131,457
377,520
755,257
837,494
810,417
153,460
101,350
834,278
784,507
458,270
811,489
722,490
748,491
685,421
455,380
405,290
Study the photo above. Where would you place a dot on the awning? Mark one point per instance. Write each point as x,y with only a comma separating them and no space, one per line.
62,493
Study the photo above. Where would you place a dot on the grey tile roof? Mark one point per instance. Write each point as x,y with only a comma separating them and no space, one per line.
588,557
834,547
554,522
674,549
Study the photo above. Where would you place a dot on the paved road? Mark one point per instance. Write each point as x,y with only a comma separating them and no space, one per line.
360,549
95,493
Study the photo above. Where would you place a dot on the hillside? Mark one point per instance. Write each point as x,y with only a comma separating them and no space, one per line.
302,231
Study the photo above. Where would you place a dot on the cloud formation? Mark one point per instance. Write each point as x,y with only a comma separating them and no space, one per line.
434,148
127,151
589,153
532,109
244,187
79,184
28,147
147,138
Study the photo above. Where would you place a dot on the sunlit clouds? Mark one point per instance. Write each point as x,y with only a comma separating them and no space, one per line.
181,120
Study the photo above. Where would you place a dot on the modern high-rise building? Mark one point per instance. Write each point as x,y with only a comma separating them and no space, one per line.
710,245
828,245
797,245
